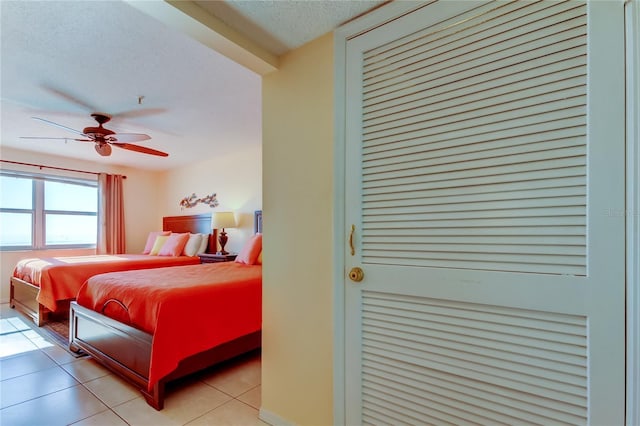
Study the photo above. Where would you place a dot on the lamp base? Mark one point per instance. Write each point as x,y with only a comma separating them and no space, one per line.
222,239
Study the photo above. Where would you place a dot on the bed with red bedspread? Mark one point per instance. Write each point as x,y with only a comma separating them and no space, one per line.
153,326
41,287
59,278
179,311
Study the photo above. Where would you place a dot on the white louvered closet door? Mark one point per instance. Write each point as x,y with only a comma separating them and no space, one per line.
485,180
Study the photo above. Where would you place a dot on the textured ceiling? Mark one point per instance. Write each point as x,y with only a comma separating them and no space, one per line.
282,25
101,56
62,61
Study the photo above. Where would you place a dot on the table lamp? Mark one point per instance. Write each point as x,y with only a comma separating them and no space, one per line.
222,220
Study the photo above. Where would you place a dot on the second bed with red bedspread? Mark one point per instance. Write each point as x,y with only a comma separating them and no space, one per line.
59,278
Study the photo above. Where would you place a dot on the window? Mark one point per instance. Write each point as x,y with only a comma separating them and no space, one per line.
43,212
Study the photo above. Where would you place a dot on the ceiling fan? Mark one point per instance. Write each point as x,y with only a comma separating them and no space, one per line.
104,138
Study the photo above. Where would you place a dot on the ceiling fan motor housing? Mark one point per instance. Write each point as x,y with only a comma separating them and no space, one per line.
101,117
99,132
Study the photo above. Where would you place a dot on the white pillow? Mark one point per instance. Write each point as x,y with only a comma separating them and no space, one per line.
193,245
203,243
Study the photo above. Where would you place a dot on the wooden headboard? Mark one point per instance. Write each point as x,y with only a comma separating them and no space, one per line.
201,224
196,224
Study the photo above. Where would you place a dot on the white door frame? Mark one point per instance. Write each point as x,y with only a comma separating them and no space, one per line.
393,11
632,18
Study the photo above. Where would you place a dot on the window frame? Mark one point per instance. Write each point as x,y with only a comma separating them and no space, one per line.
39,213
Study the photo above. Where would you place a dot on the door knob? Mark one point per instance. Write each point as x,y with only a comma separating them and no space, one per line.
356,274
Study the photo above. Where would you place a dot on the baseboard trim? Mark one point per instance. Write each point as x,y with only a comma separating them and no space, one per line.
273,419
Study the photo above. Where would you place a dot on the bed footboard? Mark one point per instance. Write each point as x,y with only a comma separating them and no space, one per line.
127,351
23,298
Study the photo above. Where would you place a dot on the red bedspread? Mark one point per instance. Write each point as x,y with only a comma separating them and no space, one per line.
59,278
187,309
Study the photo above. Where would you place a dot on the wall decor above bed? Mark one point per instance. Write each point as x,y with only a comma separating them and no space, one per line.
193,200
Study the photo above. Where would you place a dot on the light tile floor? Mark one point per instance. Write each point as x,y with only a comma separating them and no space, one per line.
42,384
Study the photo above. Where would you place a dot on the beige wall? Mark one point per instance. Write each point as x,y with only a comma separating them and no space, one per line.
297,359
236,178
143,199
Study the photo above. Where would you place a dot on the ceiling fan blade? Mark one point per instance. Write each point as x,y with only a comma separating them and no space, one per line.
17,103
129,137
134,113
63,139
70,98
61,126
44,137
138,148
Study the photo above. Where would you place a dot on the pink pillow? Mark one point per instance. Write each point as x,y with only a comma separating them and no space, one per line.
251,250
151,239
174,245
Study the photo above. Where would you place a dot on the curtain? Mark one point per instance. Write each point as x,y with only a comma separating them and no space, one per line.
111,236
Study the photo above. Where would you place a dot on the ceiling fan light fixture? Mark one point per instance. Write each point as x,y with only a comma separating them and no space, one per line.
103,149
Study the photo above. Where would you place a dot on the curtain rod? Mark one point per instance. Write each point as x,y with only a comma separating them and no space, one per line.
51,167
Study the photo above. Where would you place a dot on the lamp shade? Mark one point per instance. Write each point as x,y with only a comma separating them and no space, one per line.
223,220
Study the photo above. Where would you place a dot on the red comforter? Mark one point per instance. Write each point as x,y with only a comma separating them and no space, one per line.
187,309
59,278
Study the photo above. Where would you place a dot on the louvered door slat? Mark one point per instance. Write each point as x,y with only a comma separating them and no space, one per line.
517,361
536,58
515,211
417,222
378,162
393,323
483,104
478,242
413,168
475,344
486,22
529,107
426,138
482,87
475,56
566,399
455,204
486,401
475,194
521,122
489,249
536,174
555,231
569,126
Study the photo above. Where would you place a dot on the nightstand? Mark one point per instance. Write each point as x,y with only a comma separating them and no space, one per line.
215,258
